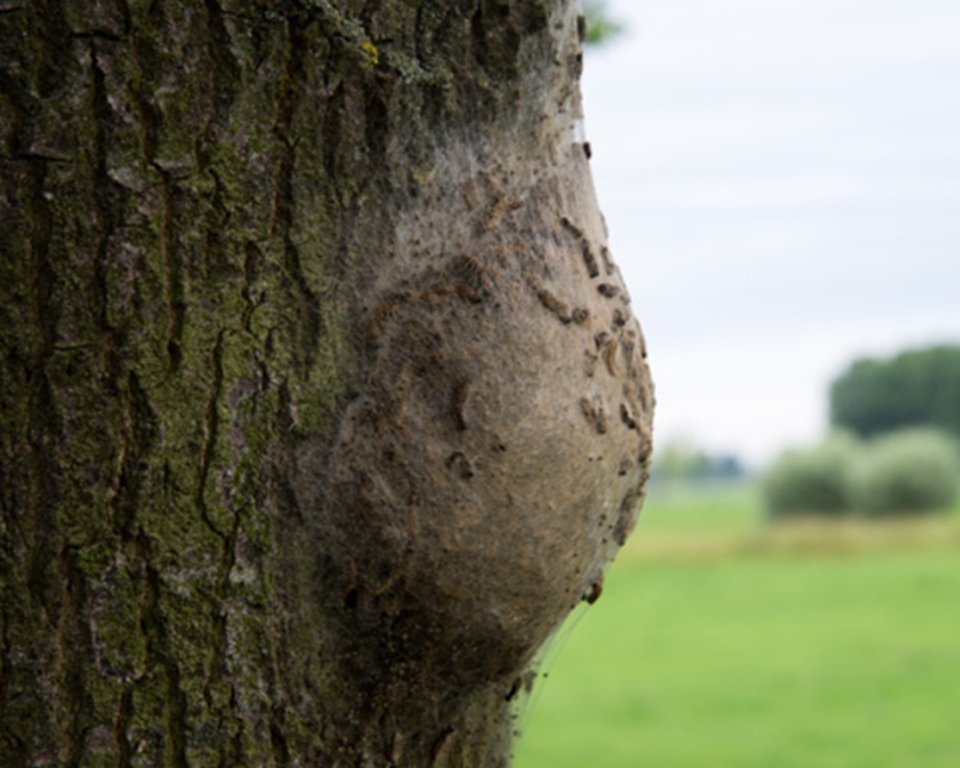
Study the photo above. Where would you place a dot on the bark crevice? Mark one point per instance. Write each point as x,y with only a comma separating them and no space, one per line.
161,662
308,329
211,434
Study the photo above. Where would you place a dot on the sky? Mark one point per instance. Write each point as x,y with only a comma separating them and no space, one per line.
781,183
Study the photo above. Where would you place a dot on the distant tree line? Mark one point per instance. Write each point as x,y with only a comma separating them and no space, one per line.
918,387
680,460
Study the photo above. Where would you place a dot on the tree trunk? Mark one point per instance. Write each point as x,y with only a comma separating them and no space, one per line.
321,400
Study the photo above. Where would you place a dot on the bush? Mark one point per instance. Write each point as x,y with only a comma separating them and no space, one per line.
811,482
907,472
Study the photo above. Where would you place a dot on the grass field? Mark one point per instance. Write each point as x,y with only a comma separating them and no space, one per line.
721,641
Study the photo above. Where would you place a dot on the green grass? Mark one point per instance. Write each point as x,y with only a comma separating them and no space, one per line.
773,648
711,508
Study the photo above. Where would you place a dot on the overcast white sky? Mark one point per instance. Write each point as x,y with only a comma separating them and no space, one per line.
781,181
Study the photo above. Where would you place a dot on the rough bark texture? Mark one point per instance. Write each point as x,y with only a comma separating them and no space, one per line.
321,400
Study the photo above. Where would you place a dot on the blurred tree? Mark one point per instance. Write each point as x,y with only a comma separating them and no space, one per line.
915,388
600,26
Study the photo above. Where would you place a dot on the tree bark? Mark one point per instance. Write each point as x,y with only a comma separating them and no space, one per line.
322,403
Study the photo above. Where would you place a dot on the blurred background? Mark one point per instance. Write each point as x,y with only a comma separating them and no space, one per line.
781,183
